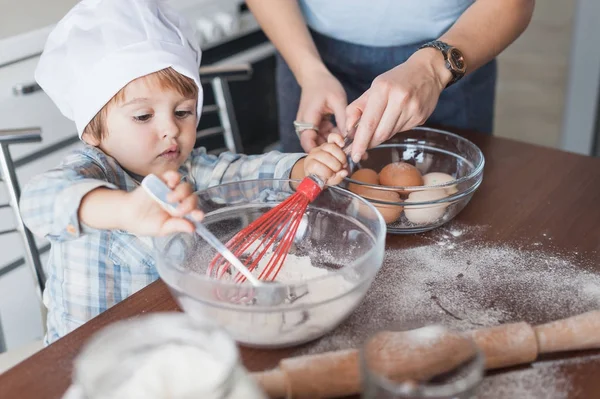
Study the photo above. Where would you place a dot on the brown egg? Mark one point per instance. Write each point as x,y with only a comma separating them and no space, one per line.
366,176
390,213
400,174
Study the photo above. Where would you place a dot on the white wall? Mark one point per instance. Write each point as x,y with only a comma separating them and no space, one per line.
583,88
533,74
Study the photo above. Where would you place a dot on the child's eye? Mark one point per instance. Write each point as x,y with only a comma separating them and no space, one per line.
142,118
183,114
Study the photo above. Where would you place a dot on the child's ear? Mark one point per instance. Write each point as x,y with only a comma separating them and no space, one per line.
90,139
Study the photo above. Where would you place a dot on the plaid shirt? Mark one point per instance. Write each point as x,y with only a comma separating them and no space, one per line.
90,270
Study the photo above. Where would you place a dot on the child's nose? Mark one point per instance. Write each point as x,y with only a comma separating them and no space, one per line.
170,128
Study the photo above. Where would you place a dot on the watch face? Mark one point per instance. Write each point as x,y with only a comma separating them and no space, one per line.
457,60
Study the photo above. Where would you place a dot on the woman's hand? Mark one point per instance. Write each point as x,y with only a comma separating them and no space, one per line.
322,95
398,100
146,217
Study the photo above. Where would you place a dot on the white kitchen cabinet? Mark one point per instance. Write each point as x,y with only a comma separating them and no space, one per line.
34,109
19,305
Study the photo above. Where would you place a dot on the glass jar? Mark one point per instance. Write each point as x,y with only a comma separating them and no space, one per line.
429,362
163,356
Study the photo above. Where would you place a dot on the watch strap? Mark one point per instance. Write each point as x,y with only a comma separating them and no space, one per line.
444,48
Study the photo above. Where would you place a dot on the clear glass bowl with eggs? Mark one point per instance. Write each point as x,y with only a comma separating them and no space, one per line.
418,180
337,250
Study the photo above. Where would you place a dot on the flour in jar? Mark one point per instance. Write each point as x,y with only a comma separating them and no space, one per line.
178,371
173,371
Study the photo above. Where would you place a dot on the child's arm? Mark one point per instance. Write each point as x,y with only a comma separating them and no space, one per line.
208,170
65,203
136,212
50,202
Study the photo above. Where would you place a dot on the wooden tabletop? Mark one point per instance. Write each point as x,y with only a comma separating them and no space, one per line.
526,190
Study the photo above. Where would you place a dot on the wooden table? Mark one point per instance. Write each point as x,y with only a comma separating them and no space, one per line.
526,190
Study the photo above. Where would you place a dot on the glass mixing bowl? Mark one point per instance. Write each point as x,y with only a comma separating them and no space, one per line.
340,240
429,150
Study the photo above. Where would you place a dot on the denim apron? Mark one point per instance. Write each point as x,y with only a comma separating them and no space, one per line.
467,104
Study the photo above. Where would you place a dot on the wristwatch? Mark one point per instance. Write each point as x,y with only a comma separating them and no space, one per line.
455,61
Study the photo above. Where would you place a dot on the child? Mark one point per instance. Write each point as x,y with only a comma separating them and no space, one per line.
126,71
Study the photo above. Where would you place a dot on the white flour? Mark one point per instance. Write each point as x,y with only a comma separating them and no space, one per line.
300,268
309,318
173,371
184,372
455,281
540,383
543,380
178,372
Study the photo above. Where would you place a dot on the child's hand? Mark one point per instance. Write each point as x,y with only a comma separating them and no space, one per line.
328,160
148,218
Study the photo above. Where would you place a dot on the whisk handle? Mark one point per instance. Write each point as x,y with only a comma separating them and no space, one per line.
347,143
222,249
159,191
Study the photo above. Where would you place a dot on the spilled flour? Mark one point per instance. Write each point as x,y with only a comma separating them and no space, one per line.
460,282
543,380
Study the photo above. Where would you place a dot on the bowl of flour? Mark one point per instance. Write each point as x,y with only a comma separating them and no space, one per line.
337,251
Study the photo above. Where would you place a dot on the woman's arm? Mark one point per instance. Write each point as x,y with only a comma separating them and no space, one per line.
487,27
322,94
405,96
284,25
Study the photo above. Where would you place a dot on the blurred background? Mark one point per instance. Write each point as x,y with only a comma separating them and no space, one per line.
547,95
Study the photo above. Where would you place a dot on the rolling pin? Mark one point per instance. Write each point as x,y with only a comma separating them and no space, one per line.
337,373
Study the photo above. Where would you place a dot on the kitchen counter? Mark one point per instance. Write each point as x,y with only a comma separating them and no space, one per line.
530,197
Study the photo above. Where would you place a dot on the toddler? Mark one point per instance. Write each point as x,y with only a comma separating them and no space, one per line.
126,72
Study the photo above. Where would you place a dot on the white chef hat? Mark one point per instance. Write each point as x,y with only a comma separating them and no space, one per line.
102,45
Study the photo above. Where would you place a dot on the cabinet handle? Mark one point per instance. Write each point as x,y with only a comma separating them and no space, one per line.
23,89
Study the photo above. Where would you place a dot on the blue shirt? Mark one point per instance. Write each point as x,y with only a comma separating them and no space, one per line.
383,22
90,270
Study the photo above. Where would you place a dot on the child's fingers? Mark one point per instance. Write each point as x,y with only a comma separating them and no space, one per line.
337,178
322,170
188,204
335,138
197,215
175,225
317,168
180,192
327,159
335,151
172,178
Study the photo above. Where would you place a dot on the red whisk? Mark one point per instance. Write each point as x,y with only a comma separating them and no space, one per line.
260,237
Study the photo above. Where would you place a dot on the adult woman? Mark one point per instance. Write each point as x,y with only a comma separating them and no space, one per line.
399,63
